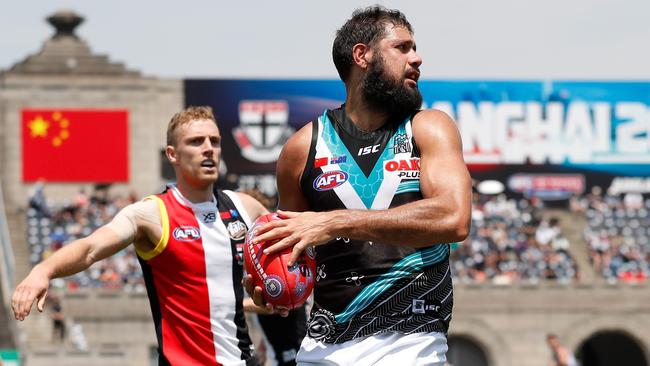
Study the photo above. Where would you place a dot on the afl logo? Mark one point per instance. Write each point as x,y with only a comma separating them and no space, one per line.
186,233
330,180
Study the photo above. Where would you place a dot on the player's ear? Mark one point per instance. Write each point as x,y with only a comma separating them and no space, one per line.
361,55
171,154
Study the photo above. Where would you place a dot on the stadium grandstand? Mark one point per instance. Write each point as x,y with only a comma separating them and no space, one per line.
552,249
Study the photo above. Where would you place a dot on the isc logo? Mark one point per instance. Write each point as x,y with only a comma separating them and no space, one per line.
368,150
186,233
330,180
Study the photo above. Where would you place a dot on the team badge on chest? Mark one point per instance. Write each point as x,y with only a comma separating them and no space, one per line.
236,230
401,144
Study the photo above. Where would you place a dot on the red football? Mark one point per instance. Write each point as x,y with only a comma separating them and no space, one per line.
282,285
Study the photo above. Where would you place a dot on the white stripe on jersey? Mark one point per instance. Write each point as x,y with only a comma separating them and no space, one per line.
240,207
388,187
218,268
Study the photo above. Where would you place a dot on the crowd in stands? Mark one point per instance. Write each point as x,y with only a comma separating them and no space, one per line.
511,240
618,234
53,225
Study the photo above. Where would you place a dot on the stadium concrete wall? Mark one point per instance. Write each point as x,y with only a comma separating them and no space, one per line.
509,323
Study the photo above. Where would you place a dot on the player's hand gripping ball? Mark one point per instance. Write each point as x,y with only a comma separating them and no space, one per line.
282,285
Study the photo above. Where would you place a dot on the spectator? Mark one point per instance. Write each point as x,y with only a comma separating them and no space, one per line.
547,231
77,338
618,237
633,201
58,319
37,200
78,218
560,354
507,244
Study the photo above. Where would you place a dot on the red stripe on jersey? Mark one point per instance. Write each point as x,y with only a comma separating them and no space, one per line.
179,276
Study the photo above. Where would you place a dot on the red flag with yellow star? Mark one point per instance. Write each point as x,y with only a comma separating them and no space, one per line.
65,145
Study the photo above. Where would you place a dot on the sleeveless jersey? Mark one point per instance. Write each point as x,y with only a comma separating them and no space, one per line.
193,279
368,288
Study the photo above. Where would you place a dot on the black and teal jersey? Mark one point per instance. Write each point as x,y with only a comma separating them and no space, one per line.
366,288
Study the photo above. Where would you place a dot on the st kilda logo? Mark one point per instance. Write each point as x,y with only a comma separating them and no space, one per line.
186,233
263,129
405,168
330,180
236,230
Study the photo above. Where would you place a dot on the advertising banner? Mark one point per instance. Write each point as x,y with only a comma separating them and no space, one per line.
546,138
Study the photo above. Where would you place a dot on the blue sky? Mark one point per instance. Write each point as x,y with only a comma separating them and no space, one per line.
459,39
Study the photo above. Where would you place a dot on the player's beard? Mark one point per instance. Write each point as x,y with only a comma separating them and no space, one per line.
382,92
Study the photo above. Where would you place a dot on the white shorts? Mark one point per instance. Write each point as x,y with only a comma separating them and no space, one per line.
388,349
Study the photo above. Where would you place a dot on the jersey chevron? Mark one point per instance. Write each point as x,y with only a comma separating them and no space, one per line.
360,191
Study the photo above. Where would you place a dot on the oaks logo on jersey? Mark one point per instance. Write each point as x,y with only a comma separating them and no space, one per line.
263,129
405,168
236,230
186,233
330,180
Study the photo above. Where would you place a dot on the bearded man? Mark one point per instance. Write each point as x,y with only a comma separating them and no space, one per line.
379,188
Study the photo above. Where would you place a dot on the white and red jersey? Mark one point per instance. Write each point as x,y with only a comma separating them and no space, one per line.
193,278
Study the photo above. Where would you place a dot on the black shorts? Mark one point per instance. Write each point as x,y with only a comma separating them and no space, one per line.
285,334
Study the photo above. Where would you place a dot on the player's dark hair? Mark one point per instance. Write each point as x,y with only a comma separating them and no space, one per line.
367,26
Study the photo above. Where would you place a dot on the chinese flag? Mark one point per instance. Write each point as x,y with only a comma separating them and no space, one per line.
64,145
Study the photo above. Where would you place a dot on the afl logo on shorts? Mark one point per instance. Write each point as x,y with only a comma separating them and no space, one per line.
186,233
330,180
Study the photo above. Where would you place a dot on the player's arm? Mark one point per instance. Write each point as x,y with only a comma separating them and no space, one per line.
442,216
289,169
562,356
76,257
251,307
